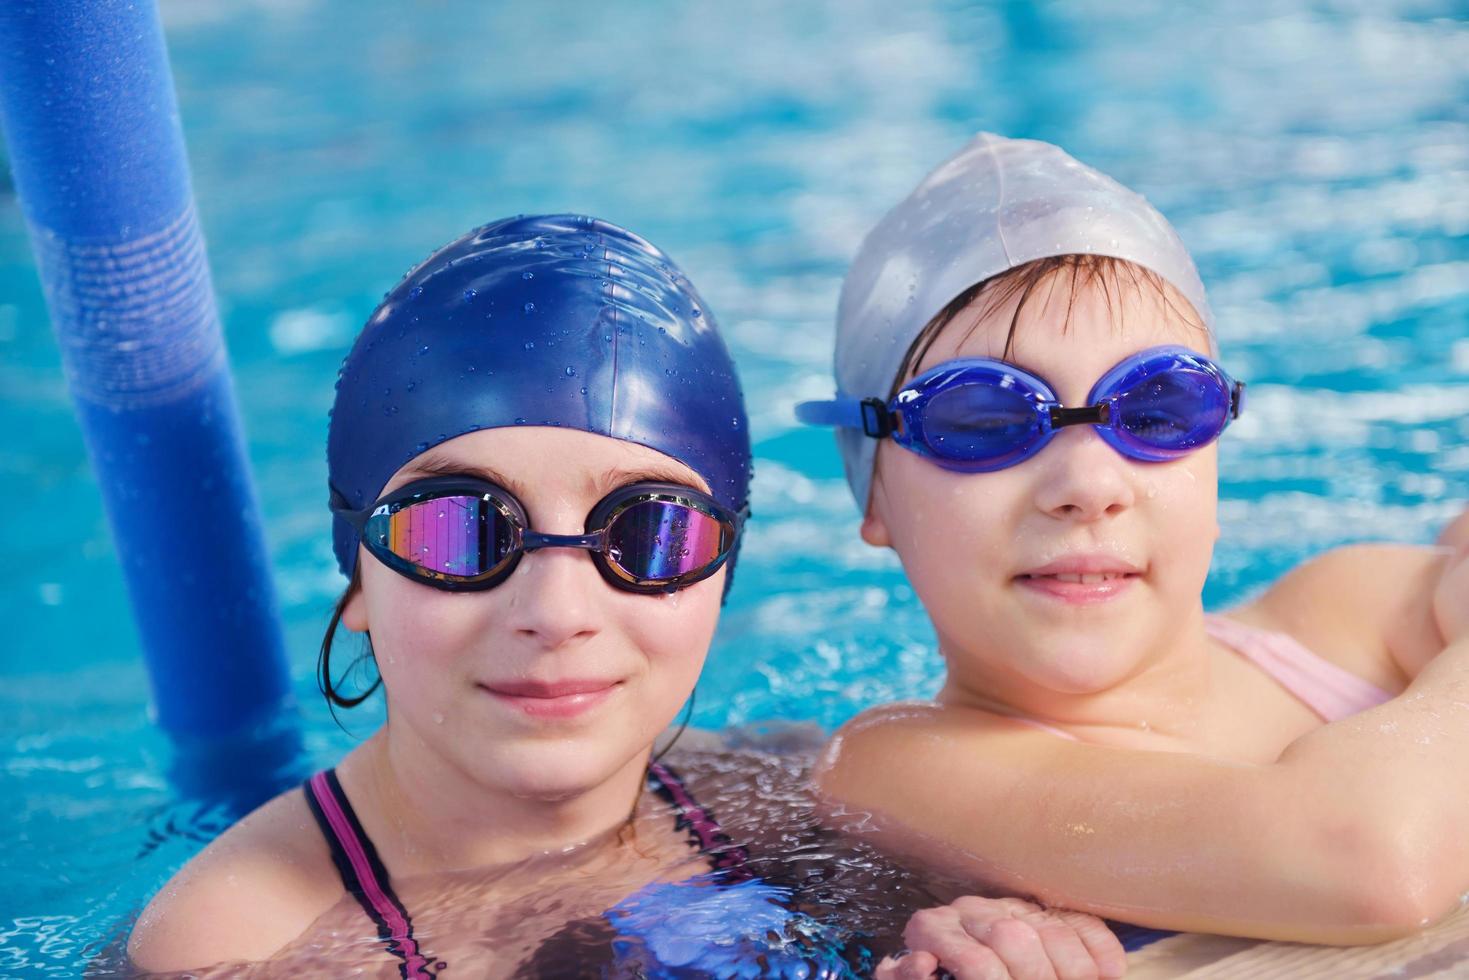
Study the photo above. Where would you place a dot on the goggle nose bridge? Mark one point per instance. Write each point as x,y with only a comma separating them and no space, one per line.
1098,414
534,541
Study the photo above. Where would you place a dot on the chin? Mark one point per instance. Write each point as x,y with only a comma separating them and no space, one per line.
1080,668
555,771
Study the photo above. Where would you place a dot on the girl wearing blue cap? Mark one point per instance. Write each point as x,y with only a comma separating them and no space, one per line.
1029,393
539,467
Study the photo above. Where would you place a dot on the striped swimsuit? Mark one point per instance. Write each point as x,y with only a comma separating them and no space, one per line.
366,879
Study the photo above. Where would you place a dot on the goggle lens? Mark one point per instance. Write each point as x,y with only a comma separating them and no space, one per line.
662,540
461,536
980,422
1172,411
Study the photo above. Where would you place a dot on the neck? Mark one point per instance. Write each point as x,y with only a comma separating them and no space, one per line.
1162,699
425,815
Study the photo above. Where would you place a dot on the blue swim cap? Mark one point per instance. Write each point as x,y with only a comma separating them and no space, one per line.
559,320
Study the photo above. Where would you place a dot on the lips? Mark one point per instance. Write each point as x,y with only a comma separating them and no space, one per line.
1081,579
564,698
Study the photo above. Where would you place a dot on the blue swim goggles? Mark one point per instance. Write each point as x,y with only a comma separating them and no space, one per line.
976,415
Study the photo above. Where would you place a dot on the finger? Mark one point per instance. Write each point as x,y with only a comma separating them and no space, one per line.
973,962
1019,948
1451,600
1102,943
927,927
917,965
1456,533
1065,951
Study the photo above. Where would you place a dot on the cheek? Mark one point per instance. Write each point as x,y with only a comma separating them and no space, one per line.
673,632
1184,500
413,626
948,527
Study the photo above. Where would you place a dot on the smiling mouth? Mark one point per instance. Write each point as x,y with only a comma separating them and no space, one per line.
564,700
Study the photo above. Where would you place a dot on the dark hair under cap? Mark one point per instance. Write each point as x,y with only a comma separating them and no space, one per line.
559,320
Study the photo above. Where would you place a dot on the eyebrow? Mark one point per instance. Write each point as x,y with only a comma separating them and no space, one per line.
437,464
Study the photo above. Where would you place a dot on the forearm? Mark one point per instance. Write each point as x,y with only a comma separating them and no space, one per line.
1395,777
1346,839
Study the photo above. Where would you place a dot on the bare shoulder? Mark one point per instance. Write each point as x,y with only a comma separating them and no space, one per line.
244,897
880,750
1366,607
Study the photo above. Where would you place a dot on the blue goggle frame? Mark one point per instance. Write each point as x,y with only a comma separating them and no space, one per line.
977,415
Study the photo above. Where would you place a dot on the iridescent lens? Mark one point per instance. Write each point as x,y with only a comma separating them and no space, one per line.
979,422
660,540
1175,410
460,535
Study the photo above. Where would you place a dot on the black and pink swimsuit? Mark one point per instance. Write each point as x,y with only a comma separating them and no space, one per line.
365,878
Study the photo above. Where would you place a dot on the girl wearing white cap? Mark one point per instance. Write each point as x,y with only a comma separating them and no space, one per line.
1029,395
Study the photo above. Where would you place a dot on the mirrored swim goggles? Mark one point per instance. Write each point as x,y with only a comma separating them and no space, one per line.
977,415
463,534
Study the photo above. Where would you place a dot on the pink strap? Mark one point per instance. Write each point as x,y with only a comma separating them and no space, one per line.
1331,691
387,911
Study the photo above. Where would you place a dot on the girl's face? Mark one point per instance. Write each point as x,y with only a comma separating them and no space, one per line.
990,553
552,682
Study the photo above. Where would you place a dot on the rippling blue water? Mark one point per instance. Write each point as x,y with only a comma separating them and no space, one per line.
1314,156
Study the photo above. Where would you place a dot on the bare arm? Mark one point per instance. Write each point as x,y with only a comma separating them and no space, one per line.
1353,836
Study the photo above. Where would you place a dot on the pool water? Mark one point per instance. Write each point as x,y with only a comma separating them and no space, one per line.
1314,157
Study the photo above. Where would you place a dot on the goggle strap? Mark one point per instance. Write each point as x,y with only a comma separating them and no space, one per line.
870,415
342,508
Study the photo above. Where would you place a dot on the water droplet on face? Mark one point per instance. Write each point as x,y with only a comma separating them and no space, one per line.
469,295
415,292
412,385
583,389
530,345
520,421
734,423
438,717
530,308
527,275
570,371
697,313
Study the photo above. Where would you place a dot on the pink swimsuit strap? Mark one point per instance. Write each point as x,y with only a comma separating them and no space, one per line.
1331,691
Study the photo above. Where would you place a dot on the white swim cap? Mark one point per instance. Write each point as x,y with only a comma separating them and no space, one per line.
999,203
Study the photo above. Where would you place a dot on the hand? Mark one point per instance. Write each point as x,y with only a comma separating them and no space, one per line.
1005,939
1451,595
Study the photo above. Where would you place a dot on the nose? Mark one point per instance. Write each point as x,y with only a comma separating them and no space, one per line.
1083,479
555,598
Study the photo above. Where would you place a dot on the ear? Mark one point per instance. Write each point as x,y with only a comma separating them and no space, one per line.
874,529
354,613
